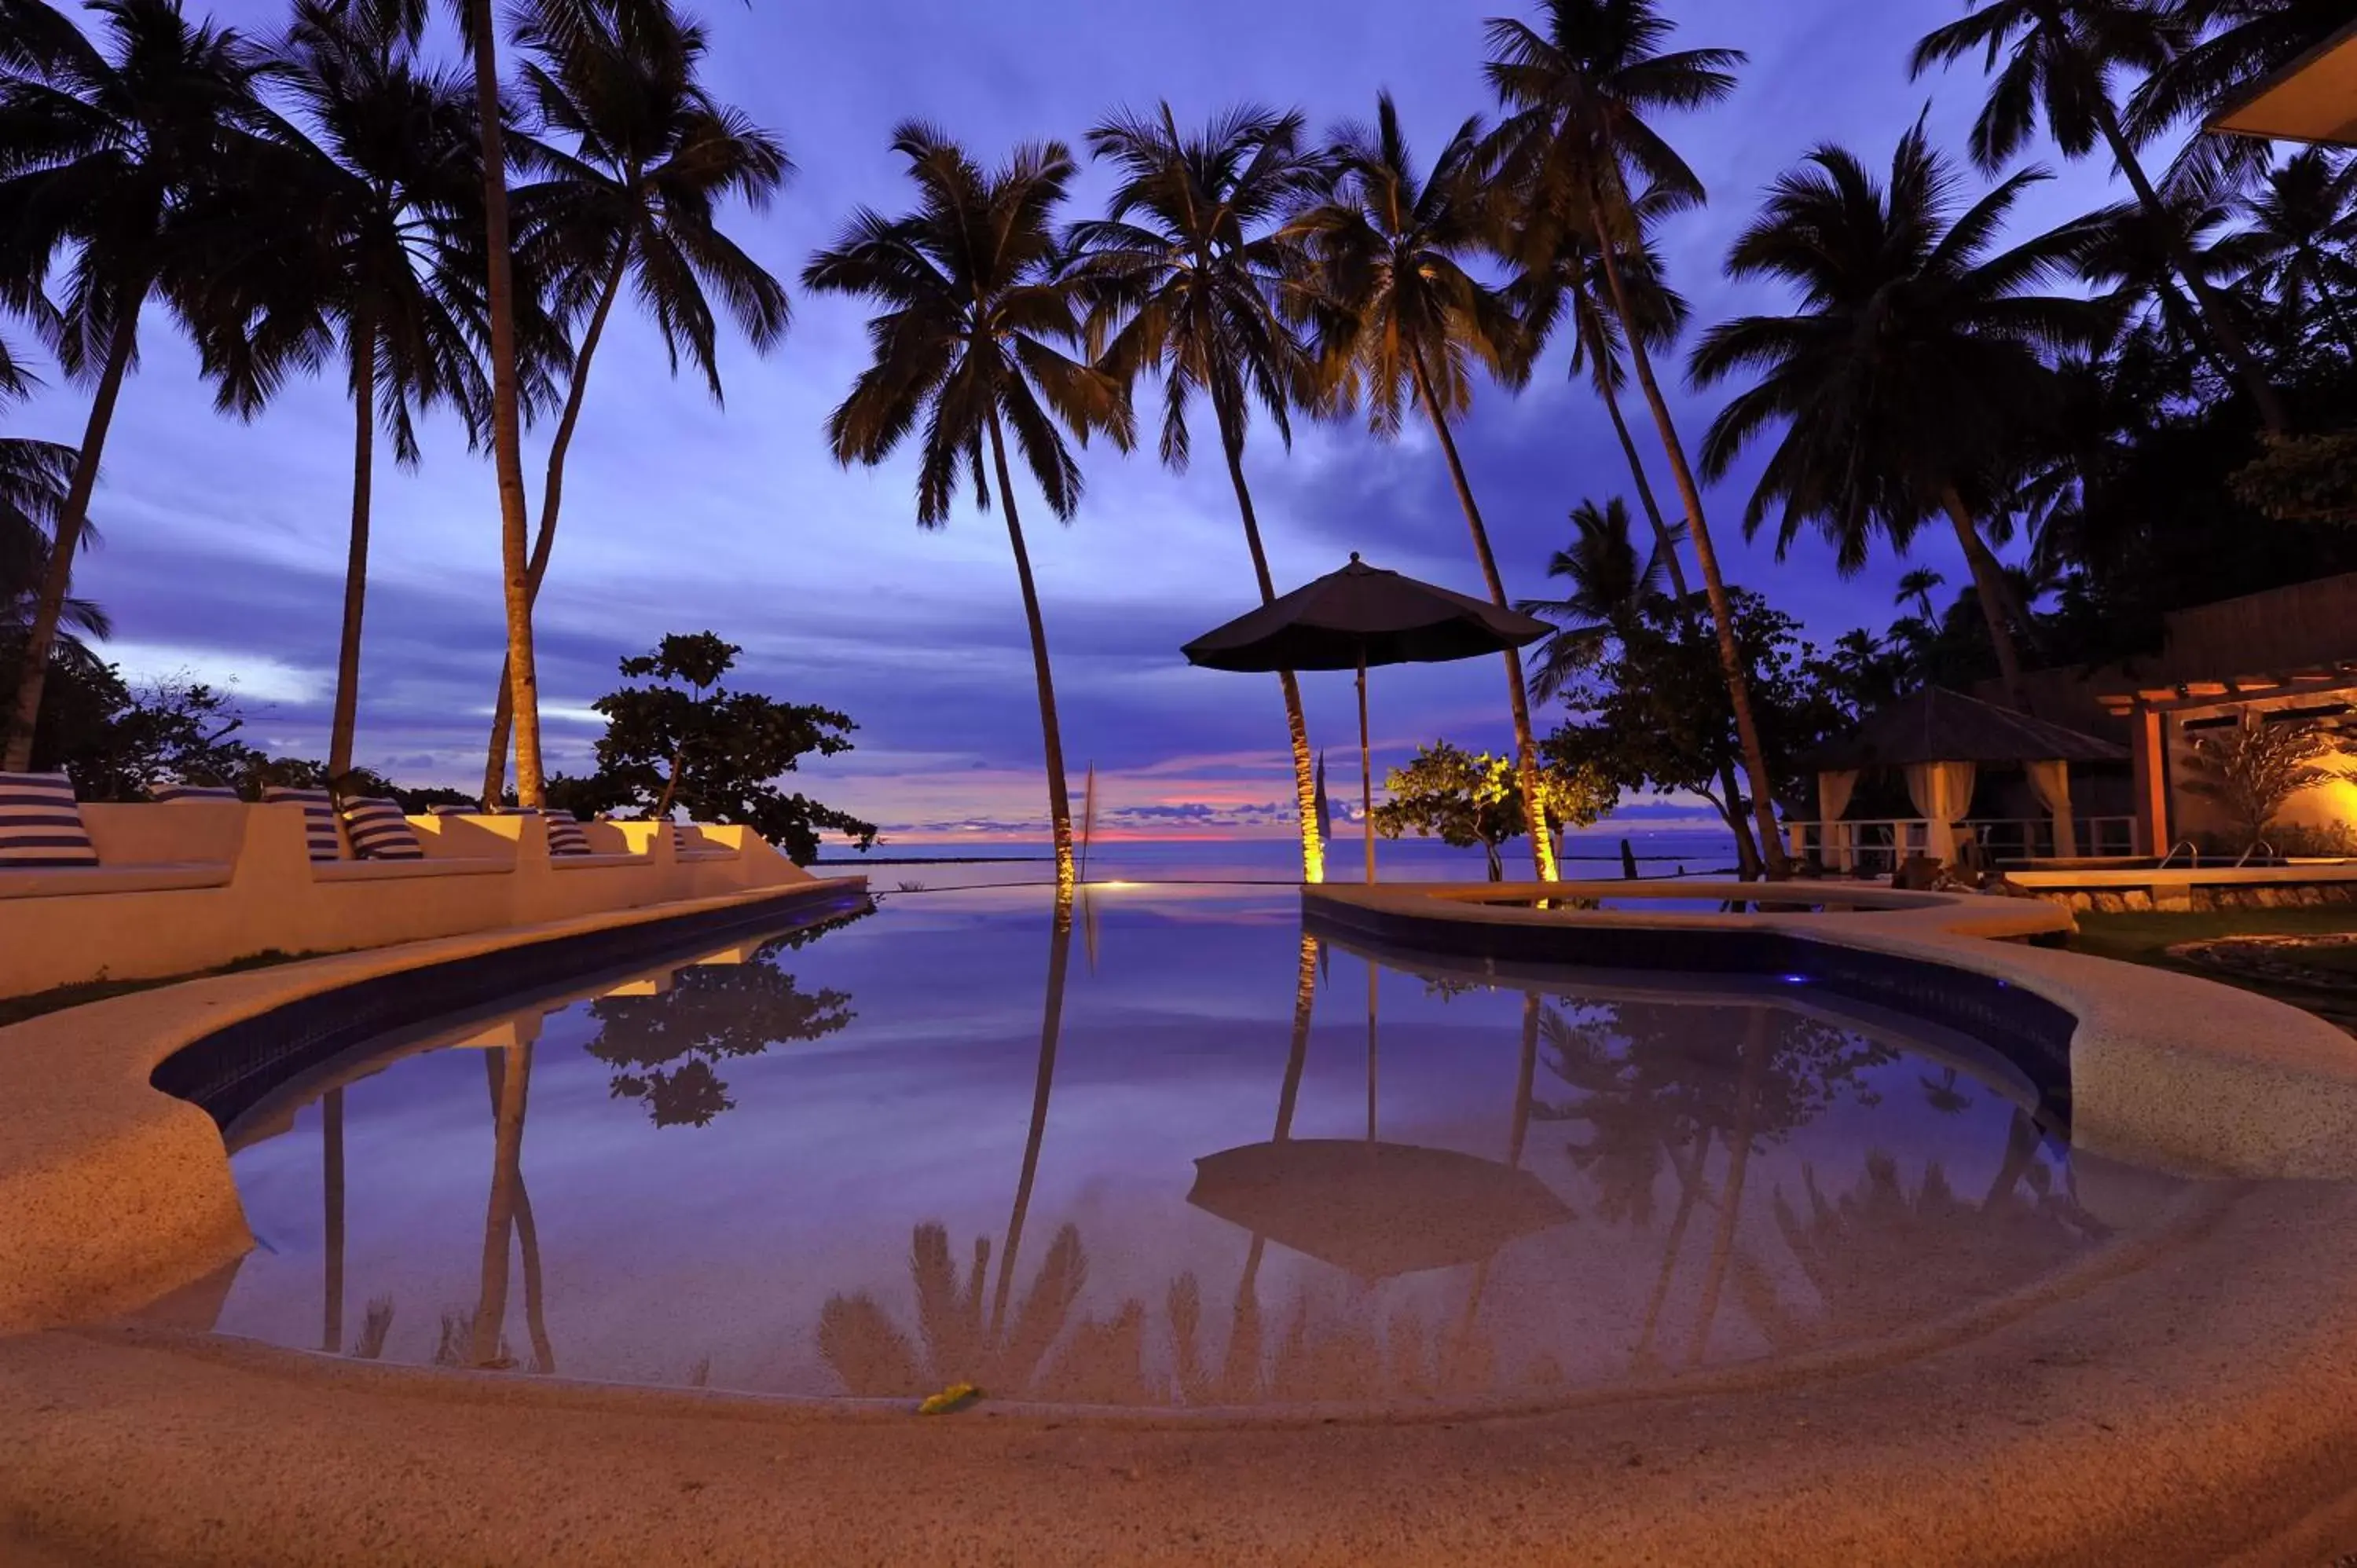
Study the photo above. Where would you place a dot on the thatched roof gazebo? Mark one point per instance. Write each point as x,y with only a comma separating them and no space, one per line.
1940,740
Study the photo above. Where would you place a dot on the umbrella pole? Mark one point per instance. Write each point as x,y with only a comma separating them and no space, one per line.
1366,774
1371,1051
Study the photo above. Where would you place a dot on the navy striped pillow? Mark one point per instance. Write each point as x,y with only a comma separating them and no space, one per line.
180,794
39,823
319,818
564,835
379,831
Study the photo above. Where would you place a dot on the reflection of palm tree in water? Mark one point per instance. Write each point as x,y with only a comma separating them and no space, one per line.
509,1069
1878,1254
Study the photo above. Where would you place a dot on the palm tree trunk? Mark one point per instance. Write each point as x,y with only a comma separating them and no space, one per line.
507,424
1739,1161
17,755
495,768
2216,315
1518,695
1051,1028
1990,588
332,1170
348,650
1689,1192
1722,614
514,1069
1747,852
1059,802
1305,782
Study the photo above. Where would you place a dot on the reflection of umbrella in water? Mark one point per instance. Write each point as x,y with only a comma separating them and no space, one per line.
1358,617
1375,1209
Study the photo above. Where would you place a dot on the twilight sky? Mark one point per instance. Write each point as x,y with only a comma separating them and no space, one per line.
225,541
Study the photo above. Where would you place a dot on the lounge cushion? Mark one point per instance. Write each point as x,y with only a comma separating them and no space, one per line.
379,831
564,835
39,823
319,818
182,794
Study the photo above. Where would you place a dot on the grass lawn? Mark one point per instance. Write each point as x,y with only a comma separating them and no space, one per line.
2146,938
16,1009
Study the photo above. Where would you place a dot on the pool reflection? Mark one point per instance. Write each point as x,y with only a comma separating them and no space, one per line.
1561,1186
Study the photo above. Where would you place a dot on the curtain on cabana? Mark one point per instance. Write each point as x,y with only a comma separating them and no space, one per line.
2050,783
1943,791
1833,790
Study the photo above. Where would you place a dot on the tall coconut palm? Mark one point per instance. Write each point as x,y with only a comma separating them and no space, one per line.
2300,243
358,241
1186,275
1559,273
1576,143
631,163
106,142
1916,359
2054,60
971,342
1400,319
2136,261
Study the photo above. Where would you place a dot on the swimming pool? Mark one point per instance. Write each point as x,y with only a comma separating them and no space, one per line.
1166,1152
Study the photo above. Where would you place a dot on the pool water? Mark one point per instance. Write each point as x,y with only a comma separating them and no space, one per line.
1167,1153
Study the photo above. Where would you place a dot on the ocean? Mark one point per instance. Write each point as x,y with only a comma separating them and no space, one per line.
913,865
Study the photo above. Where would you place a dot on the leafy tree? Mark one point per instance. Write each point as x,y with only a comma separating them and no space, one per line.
1400,319
1652,714
970,342
1911,370
2301,243
2304,478
1465,798
356,240
632,160
2060,57
117,739
665,1048
2252,768
1187,274
684,740
106,145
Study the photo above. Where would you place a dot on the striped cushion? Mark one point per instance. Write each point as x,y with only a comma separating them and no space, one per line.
319,818
379,831
181,794
39,823
564,835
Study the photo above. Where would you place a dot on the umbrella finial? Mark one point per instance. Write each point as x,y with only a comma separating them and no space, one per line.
1354,558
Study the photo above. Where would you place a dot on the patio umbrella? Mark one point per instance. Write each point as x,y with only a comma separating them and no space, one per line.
1358,617
1375,1209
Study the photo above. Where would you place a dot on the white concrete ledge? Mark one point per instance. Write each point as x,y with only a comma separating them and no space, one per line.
183,889
2167,1070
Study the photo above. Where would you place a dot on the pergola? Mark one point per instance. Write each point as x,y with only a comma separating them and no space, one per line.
1940,740
2313,99
2148,708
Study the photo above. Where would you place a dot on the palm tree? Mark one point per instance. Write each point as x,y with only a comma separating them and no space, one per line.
1911,368
1399,318
1186,274
1577,96
633,159
1917,583
1559,270
2063,54
357,241
2302,241
2227,45
105,146
1610,585
2135,260
970,342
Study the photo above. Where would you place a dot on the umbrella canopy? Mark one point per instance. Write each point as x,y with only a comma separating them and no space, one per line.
1362,615
1375,1209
